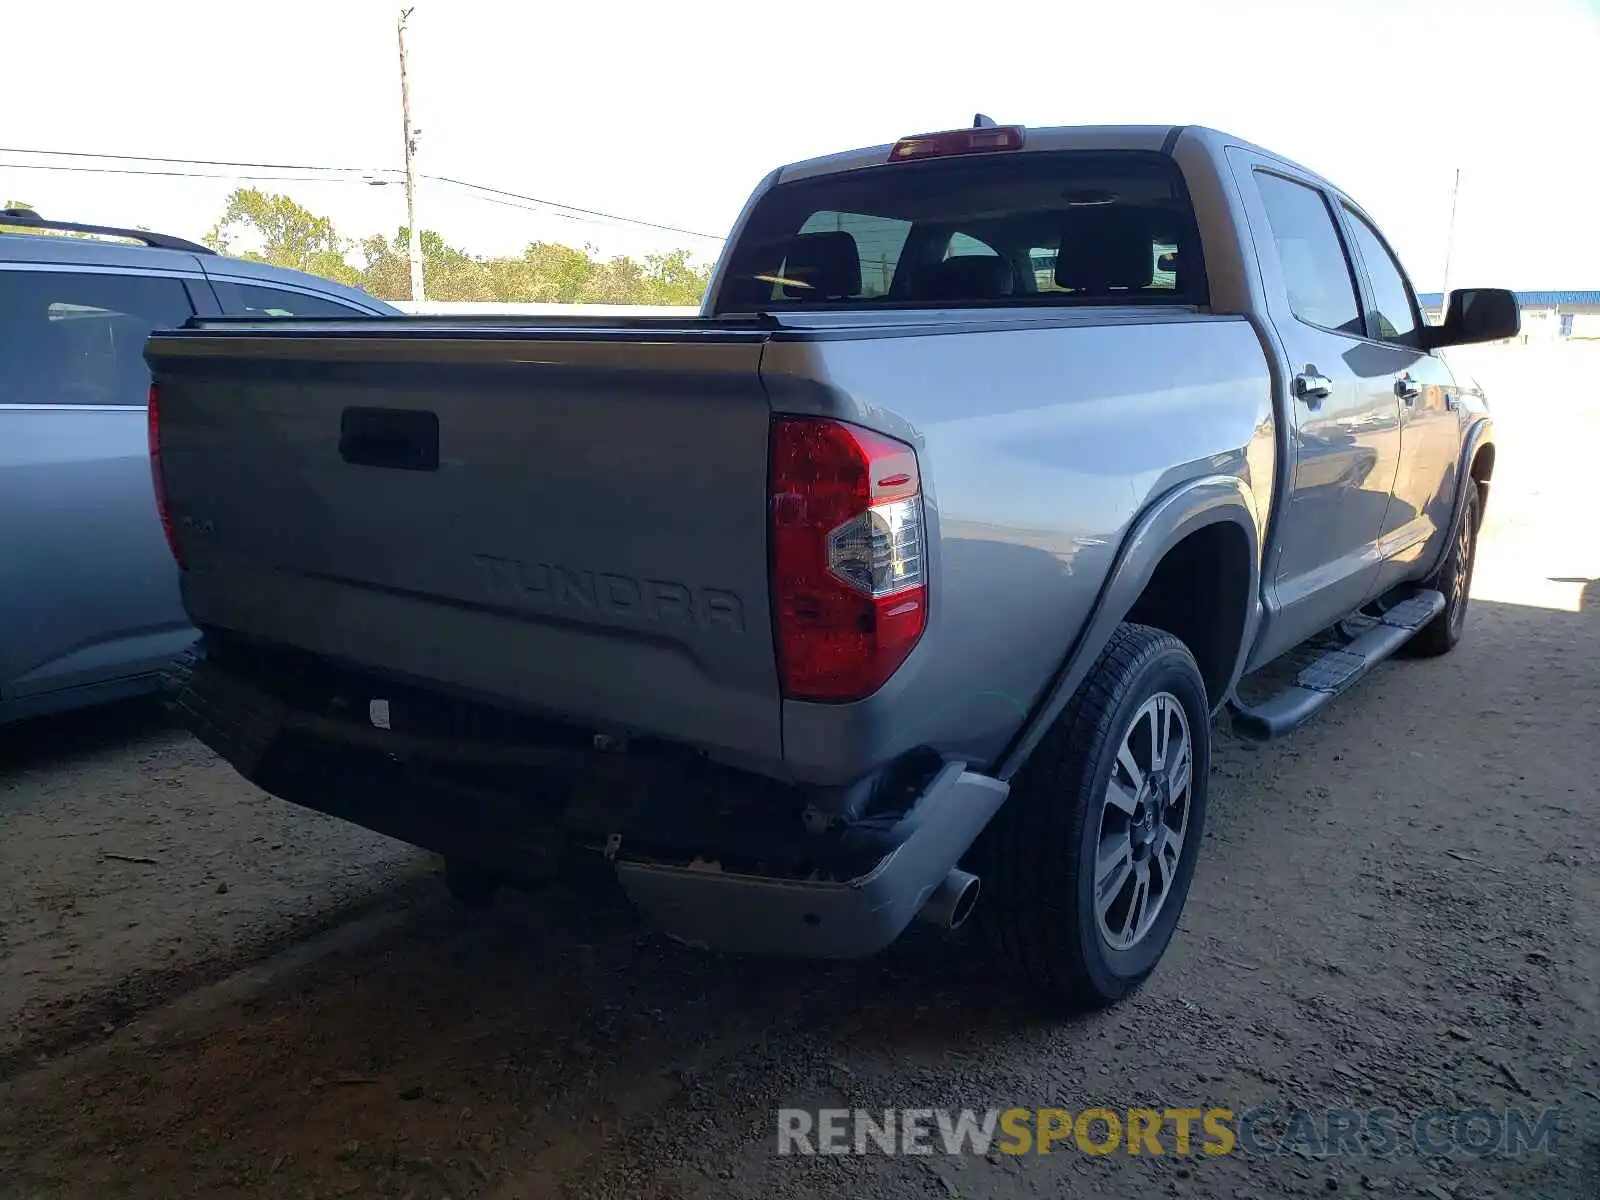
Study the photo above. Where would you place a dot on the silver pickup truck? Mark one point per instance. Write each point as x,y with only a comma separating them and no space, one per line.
998,459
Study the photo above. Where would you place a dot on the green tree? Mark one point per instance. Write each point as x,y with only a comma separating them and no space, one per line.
545,273
449,273
289,235
672,279
386,274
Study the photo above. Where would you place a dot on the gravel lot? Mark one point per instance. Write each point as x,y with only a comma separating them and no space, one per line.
205,992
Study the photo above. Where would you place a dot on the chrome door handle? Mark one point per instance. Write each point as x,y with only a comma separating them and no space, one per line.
1407,388
1312,386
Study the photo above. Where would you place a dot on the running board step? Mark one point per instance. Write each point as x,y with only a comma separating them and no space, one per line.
1332,674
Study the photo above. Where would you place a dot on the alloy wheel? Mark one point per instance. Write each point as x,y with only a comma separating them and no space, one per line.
1144,821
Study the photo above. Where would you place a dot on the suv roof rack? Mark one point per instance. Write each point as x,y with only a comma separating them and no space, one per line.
28,219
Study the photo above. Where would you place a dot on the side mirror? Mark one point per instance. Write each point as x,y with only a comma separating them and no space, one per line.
1476,315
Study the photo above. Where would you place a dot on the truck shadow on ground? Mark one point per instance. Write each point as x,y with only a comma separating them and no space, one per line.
66,737
447,1049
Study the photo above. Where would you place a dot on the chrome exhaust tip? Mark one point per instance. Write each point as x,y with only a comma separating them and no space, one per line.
952,901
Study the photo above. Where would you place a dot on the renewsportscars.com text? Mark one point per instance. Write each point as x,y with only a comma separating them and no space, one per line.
1261,1131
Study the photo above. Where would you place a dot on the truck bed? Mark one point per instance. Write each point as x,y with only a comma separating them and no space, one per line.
570,518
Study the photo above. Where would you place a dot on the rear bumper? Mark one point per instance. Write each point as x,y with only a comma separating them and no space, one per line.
822,918
852,908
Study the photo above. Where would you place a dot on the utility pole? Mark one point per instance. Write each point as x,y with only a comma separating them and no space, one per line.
1450,239
417,292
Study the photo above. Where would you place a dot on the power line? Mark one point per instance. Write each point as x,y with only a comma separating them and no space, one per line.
212,162
588,212
199,162
174,174
549,212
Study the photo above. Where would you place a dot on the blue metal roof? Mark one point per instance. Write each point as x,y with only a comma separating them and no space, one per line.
1529,299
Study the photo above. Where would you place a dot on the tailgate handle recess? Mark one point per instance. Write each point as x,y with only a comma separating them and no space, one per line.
401,439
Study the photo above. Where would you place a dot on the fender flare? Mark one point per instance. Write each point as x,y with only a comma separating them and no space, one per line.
1166,521
1480,435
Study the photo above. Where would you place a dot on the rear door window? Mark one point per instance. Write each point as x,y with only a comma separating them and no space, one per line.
256,300
1316,272
1058,227
77,337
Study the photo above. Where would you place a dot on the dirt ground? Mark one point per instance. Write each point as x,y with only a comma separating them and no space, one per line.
132,862
1395,908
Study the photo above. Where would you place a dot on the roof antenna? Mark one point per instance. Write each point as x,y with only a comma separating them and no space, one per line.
979,121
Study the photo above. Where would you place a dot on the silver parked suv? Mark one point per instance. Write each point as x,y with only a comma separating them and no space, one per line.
89,607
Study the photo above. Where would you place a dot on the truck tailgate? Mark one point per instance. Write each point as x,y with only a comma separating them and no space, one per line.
573,521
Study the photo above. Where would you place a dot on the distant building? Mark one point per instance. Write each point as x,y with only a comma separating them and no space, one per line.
1546,316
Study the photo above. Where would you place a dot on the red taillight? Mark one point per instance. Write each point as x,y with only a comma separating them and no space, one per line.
849,576
156,477
958,141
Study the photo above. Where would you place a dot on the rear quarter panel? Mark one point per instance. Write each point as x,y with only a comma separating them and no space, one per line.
88,590
1039,447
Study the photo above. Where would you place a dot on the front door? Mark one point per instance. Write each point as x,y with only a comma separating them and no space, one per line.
1418,518
1346,436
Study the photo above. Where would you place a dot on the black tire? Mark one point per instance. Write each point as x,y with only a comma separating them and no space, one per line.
473,887
1454,579
1038,854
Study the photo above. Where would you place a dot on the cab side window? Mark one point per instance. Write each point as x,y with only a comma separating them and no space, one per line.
1322,289
1393,308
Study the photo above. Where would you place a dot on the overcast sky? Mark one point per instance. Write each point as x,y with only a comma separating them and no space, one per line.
671,112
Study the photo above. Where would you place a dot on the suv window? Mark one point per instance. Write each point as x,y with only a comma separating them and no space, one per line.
1391,296
77,337
254,300
961,231
1322,291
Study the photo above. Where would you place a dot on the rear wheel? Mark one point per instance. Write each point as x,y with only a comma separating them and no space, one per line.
1088,864
1454,579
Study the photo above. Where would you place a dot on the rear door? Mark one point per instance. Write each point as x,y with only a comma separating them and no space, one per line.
1345,413
88,589
1418,516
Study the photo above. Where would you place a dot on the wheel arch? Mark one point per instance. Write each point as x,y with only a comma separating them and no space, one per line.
1475,470
1157,558
1482,470
1200,593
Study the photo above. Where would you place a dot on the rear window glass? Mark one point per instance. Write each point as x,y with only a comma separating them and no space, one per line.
993,229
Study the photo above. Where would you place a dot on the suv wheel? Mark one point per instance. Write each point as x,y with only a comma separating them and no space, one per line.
1089,861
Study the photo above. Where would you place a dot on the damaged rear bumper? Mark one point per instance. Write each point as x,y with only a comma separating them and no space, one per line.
822,918
730,883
